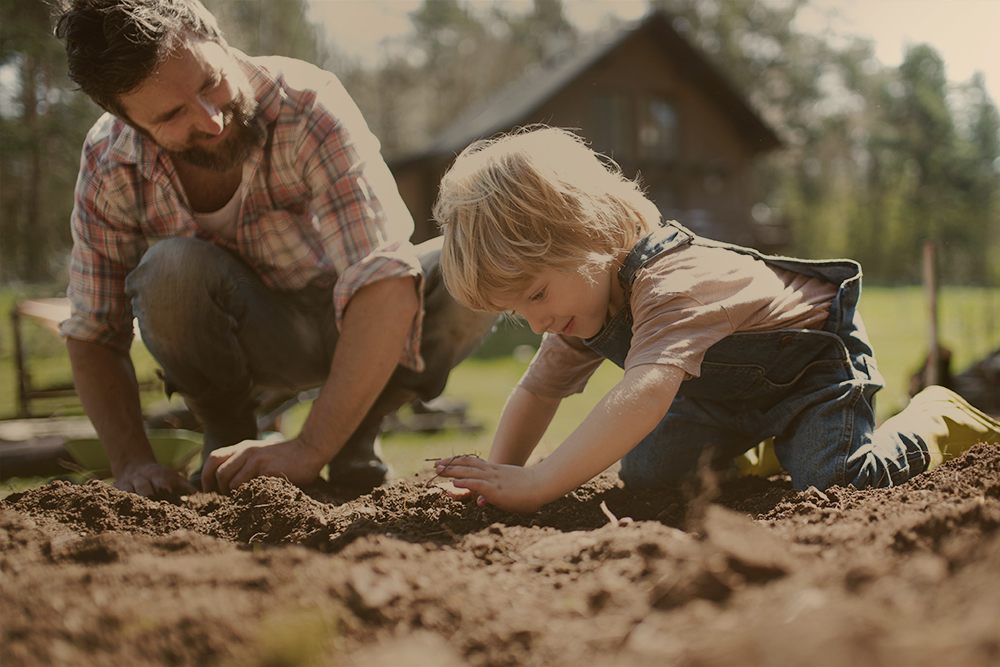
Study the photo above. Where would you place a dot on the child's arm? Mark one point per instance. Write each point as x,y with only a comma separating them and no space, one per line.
623,417
522,423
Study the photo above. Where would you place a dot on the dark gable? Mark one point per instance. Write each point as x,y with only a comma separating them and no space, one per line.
647,97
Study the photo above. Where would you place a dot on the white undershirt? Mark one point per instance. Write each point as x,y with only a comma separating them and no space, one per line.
223,222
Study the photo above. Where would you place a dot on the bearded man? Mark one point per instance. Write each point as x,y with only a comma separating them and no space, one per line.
240,209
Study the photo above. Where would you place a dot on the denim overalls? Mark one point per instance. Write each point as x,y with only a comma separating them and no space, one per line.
811,389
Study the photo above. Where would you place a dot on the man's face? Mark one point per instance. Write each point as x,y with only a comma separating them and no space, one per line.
571,303
198,105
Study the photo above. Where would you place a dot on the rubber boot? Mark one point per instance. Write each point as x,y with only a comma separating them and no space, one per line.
359,466
947,423
759,461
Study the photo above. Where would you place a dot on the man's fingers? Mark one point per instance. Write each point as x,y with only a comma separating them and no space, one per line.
225,472
247,471
162,487
209,481
171,484
183,486
229,468
142,487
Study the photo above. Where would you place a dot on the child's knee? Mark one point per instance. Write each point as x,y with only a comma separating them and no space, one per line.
638,476
865,469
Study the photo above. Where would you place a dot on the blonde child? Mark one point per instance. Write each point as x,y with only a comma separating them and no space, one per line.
722,347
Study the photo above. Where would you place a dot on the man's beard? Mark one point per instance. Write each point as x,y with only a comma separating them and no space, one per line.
245,135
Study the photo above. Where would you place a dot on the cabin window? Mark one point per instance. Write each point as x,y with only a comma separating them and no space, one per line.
613,125
657,130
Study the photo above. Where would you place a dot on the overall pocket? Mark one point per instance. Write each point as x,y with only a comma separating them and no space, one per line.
764,367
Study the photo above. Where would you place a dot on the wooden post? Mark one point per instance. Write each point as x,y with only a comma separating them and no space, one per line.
932,375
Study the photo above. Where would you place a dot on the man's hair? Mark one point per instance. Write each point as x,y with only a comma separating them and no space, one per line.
535,198
112,46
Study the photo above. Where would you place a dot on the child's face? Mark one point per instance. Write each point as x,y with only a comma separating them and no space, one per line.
571,303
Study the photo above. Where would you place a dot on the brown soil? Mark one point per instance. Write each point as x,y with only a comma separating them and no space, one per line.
750,573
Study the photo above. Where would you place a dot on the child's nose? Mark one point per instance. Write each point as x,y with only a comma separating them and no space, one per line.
539,324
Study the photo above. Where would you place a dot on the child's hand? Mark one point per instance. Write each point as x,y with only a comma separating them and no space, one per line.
510,488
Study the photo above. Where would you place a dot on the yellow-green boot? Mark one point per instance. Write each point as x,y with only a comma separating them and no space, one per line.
760,461
947,423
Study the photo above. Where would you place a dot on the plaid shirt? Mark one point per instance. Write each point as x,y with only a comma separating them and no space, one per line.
321,207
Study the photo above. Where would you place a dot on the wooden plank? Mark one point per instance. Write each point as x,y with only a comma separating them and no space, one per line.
50,313
47,312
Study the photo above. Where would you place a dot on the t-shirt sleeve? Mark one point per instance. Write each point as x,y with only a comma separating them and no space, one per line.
674,324
561,367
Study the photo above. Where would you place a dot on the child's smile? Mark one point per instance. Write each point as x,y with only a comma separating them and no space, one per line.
570,303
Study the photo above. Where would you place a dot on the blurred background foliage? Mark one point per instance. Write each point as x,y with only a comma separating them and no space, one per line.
877,159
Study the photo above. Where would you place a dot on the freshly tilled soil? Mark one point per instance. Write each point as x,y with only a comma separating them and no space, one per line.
746,572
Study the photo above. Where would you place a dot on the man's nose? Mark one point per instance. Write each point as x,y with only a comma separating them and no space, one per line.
210,117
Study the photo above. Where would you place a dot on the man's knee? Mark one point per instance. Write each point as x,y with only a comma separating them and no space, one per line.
451,332
172,266
174,288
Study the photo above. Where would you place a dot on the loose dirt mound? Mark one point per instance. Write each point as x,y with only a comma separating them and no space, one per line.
750,573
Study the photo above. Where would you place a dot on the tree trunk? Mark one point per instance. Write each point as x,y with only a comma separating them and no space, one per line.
33,247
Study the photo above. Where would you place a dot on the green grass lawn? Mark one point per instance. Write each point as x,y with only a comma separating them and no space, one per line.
896,320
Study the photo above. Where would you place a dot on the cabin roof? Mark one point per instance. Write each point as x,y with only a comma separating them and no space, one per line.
515,103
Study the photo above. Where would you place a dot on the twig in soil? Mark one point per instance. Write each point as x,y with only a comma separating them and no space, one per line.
615,521
430,482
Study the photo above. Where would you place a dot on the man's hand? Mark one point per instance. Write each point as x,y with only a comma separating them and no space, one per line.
153,481
511,488
228,467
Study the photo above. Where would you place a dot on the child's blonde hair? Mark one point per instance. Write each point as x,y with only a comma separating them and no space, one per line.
535,198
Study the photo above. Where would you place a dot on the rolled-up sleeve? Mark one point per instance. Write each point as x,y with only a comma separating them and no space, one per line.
104,251
363,224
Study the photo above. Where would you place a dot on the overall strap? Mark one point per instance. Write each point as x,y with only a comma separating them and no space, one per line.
667,236
615,338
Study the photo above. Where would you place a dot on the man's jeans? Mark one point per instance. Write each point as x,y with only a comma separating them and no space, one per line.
221,336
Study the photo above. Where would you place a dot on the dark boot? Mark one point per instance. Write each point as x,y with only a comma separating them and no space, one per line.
223,427
359,466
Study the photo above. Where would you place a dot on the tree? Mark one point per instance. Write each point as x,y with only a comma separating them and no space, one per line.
979,184
458,54
44,119
269,27
874,163
39,121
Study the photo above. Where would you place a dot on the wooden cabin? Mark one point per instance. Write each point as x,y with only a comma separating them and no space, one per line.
649,99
